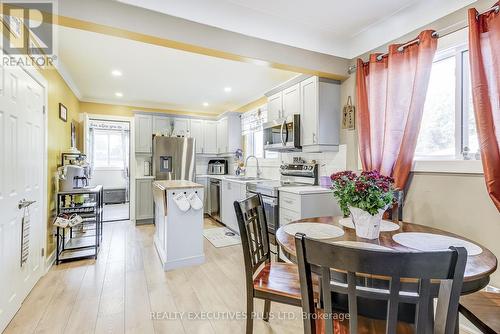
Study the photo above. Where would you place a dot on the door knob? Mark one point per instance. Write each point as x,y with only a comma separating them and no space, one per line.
24,203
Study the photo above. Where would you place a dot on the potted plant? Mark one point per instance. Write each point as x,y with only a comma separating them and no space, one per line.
365,197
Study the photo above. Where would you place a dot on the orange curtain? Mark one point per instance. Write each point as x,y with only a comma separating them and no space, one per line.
390,97
484,52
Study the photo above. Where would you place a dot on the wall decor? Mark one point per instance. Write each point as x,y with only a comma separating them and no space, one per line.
73,134
349,115
63,112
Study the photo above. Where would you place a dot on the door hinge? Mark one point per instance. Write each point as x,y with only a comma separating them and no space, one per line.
43,111
43,251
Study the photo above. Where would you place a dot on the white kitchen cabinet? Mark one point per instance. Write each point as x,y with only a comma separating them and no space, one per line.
291,101
274,106
210,137
204,181
228,134
181,127
143,133
144,200
161,125
320,114
197,132
231,191
222,136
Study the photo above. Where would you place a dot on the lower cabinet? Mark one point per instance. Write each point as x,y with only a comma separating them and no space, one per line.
231,191
144,201
204,182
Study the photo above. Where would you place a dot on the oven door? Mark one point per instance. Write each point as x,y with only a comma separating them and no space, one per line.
271,209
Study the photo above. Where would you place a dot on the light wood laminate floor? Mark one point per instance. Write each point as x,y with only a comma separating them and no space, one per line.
118,292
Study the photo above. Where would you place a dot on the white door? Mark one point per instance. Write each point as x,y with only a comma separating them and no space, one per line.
309,111
274,107
161,125
197,134
181,127
210,138
143,133
291,101
21,177
222,138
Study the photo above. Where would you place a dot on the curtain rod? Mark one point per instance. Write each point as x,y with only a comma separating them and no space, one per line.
435,34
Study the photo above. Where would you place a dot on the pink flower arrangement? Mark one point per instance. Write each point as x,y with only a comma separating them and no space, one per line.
370,191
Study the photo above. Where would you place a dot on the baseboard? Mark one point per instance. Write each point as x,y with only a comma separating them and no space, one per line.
185,262
49,261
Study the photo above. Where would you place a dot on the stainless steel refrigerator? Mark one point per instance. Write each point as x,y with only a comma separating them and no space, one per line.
174,158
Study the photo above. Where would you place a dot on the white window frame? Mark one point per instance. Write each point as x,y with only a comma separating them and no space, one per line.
453,163
108,168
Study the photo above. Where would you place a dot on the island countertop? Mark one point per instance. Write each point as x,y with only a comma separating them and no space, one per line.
176,184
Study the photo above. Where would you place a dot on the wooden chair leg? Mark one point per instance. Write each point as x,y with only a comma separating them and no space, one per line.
267,309
249,315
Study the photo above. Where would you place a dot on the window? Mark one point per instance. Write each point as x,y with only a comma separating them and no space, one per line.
253,136
108,149
448,126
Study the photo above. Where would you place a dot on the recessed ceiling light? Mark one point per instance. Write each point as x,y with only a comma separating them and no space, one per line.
227,89
205,104
116,73
119,94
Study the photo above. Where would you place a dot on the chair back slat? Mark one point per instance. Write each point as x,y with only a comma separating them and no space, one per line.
253,232
327,297
446,266
392,305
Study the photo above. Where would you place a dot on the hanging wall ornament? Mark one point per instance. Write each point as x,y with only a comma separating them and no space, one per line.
348,115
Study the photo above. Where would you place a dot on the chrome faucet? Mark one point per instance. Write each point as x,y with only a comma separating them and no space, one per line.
258,168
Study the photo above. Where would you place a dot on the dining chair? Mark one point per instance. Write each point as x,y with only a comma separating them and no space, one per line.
482,309
395,212
425,267
270,281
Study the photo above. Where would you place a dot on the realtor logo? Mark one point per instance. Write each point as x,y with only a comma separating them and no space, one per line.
31,28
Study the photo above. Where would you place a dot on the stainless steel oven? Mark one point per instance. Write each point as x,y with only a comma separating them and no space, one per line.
282,135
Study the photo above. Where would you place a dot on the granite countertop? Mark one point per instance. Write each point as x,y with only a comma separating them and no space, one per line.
176,184
303,190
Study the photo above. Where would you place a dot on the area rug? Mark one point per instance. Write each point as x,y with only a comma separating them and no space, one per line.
221,237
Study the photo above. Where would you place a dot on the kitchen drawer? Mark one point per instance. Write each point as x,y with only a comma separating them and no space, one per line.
287,216
290,201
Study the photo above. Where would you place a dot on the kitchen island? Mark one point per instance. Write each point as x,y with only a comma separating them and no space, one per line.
178,223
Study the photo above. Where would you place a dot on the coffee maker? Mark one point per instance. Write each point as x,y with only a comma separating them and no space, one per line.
74,172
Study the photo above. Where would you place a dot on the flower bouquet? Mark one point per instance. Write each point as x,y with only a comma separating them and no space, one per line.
365,197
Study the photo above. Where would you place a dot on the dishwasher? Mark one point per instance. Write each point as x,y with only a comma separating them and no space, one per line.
215,188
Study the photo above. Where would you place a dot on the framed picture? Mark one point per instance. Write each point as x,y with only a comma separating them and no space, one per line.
63,112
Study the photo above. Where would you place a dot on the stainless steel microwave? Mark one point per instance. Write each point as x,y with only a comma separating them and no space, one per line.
282,135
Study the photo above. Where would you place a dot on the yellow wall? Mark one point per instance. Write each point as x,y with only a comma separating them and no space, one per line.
58,134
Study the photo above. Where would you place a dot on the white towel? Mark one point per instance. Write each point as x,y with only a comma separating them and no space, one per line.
182,202
195,201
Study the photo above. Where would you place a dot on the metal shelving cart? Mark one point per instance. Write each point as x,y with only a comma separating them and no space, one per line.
82,240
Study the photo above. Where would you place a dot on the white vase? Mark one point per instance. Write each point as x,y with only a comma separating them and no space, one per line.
367,225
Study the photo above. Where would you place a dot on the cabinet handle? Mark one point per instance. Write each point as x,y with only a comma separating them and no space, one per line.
314,138
288,201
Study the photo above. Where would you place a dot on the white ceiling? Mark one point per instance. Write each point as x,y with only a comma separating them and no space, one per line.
344,28
159,77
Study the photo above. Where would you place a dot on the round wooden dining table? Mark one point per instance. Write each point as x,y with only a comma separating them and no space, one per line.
477,271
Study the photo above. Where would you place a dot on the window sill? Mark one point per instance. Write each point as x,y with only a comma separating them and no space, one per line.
448,166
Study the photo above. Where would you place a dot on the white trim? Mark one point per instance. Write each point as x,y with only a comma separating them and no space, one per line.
132,162
448,166
61,68
49,261
147,105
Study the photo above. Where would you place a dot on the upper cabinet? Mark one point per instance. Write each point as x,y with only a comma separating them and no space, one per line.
161,125
317,101
274,106
228,134
210,137
143,133
197,132
291,101
320,115
181,127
